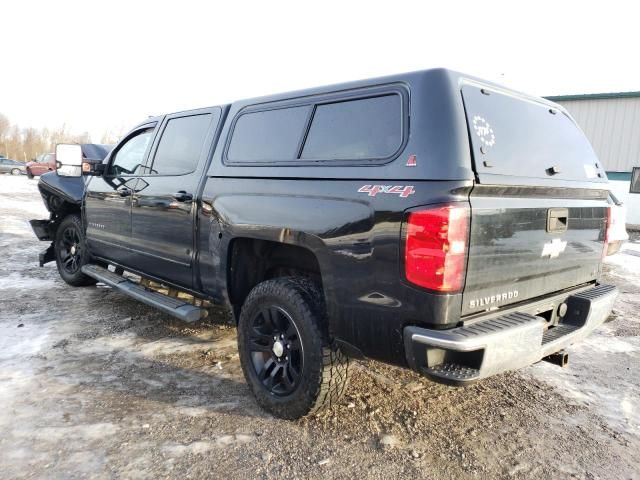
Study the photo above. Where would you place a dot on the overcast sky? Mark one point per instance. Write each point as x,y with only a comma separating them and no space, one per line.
99,65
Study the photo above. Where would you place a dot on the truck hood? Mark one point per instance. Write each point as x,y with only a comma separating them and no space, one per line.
70,189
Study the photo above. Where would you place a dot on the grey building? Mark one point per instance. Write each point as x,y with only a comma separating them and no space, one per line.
611,122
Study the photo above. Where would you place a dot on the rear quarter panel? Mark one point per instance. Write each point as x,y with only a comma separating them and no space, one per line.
355,237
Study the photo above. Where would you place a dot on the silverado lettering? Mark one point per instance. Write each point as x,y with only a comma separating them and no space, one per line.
500,297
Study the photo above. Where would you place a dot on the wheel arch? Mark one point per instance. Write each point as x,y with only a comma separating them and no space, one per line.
252,259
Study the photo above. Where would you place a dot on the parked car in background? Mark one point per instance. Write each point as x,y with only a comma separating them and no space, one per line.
42,164
617,230
11,166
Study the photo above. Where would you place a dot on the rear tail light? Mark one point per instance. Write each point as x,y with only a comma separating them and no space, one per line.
436,247
607,232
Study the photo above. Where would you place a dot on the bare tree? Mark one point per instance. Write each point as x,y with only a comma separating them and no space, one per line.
109,137
5,126
27,143
14,143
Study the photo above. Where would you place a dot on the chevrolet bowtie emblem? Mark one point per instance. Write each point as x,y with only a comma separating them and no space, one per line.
553,248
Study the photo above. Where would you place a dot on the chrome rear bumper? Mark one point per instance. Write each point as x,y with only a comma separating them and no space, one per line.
514,340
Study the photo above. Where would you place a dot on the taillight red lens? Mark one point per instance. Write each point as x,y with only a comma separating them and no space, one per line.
607,230
436,247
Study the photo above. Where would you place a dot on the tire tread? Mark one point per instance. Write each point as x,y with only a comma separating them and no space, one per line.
333,377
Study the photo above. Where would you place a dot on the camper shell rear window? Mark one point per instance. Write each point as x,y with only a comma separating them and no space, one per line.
518,136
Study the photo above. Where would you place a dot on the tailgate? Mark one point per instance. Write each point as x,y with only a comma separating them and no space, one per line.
539,208
519,247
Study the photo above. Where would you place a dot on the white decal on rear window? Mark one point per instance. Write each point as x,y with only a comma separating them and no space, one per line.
484,131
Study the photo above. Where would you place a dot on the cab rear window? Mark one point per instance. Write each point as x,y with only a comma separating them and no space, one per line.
181,144
268,136
358,129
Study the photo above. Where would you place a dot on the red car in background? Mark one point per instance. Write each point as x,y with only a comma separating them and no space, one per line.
44,163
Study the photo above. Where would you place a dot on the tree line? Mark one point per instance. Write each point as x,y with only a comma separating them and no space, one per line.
26,144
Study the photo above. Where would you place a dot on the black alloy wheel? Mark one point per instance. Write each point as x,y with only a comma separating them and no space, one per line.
71,252
276,351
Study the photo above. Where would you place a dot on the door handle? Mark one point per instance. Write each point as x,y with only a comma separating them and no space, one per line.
125,192
183,196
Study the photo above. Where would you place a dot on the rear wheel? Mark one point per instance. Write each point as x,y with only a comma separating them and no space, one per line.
71,252
15,171
286,356
29,174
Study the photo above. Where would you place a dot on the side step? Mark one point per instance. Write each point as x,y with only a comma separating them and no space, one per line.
173,306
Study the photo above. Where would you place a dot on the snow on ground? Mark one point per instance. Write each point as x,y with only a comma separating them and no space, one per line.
96,385
627,262
606,376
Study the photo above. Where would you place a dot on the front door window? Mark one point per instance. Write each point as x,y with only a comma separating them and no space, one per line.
129,158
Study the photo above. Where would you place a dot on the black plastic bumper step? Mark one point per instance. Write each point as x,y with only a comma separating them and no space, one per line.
453,371
558,332
173,306
595,292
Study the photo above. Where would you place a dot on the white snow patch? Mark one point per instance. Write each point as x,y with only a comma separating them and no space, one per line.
204,446
33,208
18,185
129,341
627,261
206,409
194,448
605,344
17,343
78,433
14,226
16,281
600,375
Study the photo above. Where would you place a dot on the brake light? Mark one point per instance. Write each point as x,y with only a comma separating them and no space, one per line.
436,247
607,233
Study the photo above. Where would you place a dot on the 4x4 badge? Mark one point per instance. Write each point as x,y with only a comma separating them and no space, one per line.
401,190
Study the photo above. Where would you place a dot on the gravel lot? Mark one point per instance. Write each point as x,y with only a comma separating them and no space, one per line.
95,385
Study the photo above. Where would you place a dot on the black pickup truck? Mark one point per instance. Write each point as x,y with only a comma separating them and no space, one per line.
430,220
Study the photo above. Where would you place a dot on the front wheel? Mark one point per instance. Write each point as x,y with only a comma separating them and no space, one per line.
286,356
15,171
71,252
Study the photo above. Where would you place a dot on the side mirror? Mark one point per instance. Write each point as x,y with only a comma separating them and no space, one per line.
69,160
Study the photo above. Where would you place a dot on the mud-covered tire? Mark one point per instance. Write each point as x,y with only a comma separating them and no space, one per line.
324,369
70,260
